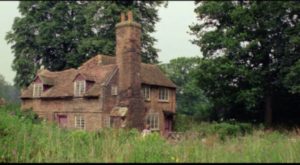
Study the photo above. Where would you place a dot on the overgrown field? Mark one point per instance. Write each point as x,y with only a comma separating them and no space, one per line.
23,139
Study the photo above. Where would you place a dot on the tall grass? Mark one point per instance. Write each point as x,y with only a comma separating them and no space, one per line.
25,140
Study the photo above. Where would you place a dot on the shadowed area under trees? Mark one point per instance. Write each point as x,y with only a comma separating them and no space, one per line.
250,51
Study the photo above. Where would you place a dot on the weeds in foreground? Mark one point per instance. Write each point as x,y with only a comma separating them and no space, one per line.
24,139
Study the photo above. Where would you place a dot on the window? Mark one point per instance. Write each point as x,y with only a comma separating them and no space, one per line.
114,90
79,88
79,122
37,89
153,121
146,92
163,94
107,121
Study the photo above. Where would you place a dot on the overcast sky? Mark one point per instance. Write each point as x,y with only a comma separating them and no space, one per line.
171,33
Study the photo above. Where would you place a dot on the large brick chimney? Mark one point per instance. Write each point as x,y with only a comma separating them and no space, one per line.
128,58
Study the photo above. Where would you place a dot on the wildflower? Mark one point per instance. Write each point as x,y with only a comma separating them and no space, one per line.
175,158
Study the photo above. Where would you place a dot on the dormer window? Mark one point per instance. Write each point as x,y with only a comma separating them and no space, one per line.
37,89
79,87
114,90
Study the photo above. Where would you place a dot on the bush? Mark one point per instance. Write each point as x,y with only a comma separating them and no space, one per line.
27,114
226,129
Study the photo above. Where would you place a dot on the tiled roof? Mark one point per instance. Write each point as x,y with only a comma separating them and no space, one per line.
97,70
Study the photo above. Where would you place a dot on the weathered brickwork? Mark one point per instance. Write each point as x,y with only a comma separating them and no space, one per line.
51,108
113,89
155,105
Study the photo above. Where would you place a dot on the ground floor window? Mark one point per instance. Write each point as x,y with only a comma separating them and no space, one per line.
153,121
79,122
107,121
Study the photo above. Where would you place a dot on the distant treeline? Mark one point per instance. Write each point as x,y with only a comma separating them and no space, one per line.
9,92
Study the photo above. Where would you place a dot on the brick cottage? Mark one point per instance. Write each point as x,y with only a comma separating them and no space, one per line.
106,91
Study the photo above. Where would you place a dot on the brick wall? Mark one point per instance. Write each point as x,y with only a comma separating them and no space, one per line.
128,60
157,106
50,108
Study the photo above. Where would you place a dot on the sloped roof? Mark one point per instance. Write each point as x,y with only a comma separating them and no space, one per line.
97,70
152,75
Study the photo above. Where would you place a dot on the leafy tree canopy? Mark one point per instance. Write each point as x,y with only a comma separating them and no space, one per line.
190,99
9,92
258,41
61,35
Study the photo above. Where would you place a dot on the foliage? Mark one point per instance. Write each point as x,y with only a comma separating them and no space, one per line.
224,129
21,140
61,35
258,42
9,92
190,99
291,80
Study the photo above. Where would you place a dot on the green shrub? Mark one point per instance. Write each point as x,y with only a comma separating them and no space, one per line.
22,140
231,128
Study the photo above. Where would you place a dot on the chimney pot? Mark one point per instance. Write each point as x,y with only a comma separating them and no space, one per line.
129,16
122,17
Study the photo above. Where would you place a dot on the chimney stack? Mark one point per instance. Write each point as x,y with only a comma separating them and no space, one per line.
128,59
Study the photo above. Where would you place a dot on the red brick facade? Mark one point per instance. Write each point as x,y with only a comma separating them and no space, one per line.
112,87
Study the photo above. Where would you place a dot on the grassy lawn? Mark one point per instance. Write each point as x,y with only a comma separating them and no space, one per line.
24,140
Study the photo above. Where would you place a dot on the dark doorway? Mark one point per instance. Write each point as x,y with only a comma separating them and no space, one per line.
168,122
62,120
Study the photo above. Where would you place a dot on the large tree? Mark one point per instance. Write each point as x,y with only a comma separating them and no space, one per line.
259,41
190,99
60,35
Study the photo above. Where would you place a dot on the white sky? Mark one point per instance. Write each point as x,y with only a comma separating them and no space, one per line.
171,33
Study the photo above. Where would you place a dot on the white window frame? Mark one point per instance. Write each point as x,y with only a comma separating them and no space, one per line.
37,89
107,123
79,87
79,122
147,92
114,90
153,121
163,94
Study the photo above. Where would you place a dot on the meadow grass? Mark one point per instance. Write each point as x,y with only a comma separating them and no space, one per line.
23,140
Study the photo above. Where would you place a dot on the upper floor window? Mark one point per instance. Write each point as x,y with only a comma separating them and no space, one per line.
163,94
79,87
37,89
79,122
114,90
146,92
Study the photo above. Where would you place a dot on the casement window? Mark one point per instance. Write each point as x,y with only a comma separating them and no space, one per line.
163,94
146,92
79,122
79,88
37,89
153,121
107,121
114,90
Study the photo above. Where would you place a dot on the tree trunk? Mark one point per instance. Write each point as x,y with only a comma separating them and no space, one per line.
268,111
